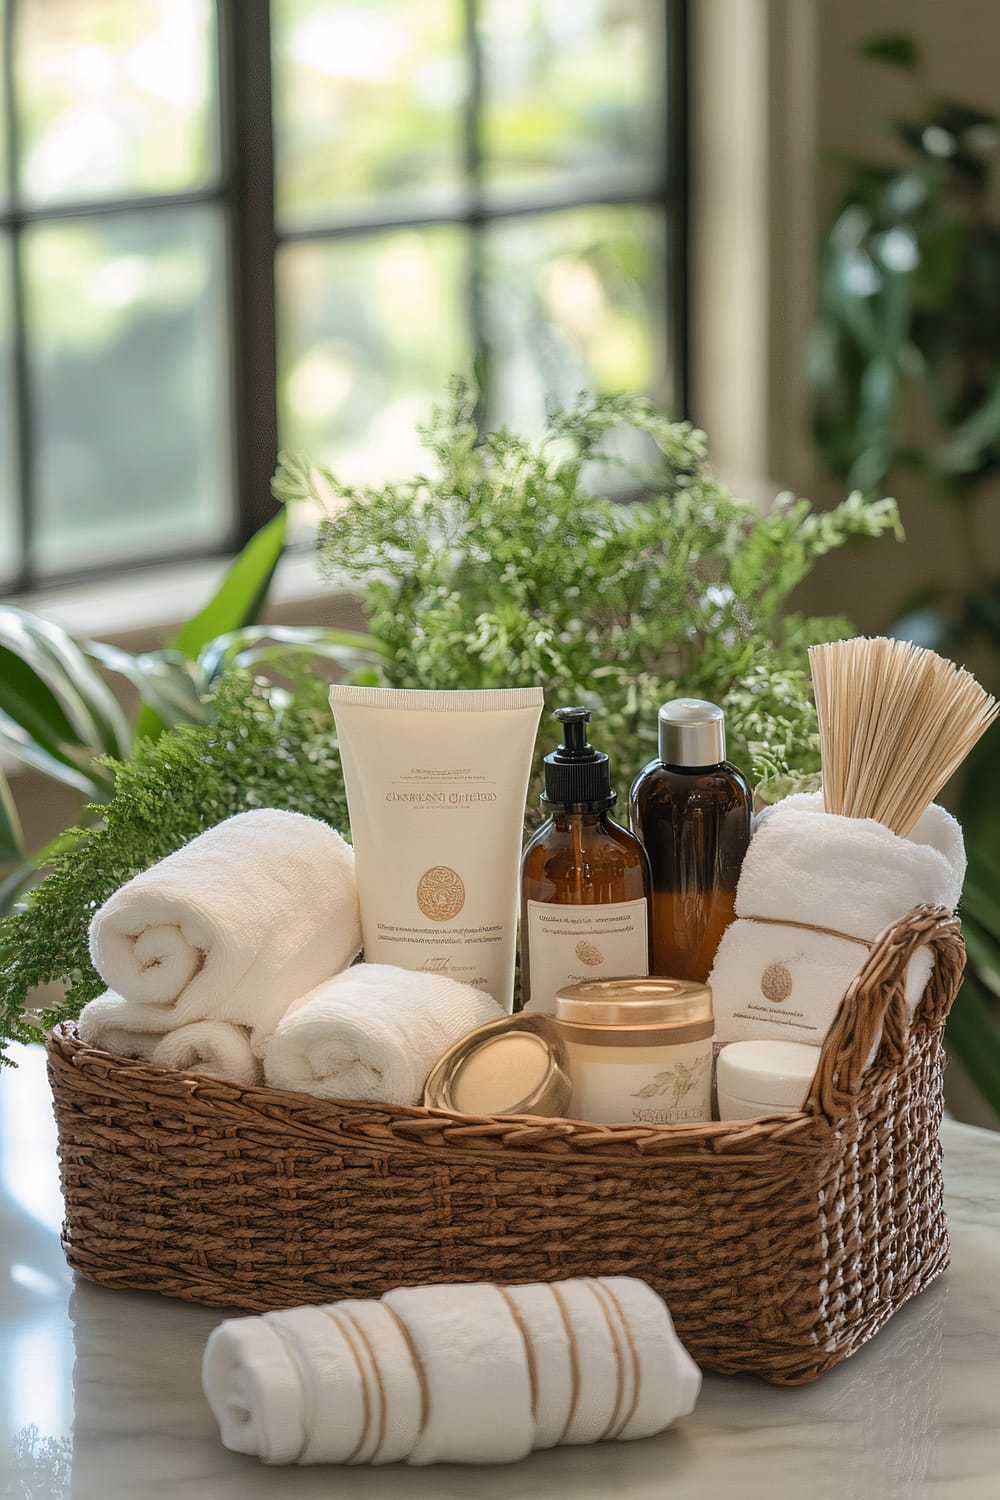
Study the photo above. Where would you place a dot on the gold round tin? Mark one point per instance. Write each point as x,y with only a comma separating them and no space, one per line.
513,1066
635,1012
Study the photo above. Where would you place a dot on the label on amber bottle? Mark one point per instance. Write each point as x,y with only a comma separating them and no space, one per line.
571,944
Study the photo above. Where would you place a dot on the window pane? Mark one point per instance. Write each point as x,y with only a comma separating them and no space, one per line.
573,301
371,328
129,376
368,102
572,92
9,528
114,97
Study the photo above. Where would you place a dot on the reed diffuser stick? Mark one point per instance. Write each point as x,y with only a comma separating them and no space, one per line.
895,722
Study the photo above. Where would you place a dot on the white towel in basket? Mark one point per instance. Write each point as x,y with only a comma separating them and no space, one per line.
218,1048
111,1025
373,1033
235,925
814,891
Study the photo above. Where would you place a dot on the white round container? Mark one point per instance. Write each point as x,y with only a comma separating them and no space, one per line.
764,1078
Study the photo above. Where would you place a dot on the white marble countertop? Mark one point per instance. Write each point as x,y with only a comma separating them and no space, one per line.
101,1400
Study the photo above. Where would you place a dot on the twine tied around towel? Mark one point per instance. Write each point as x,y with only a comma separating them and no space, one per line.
776,981
810,927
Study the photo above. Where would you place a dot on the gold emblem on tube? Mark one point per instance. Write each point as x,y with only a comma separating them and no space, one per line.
440,893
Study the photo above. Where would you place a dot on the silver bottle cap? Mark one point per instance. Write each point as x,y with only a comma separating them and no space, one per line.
692,733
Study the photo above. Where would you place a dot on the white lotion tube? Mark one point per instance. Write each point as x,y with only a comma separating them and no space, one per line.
436,785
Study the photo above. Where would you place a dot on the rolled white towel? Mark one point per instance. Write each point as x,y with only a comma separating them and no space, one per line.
463,1374
217,1048
398,1397
814,890
112,1025
474,1362
235,925
316,1384
337,1402
601,1367
667,1379
373,1033
254,1387
553,1357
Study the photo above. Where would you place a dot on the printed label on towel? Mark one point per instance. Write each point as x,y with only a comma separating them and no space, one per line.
568,944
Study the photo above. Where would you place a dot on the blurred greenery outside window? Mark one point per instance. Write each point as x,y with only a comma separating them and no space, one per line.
230,226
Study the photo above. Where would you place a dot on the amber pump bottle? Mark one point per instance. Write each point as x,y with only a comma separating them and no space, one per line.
584,878
691,810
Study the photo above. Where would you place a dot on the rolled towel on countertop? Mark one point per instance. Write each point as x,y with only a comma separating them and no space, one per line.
598,1347
814,891
235,925
254,1388
398,1396
472,1373
373,1033
474,1358
668,1380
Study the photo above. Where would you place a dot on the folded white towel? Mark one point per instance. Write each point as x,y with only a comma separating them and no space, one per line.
373,1033
112,1025
774,974
234,926
464,1374
474,1361
217,1048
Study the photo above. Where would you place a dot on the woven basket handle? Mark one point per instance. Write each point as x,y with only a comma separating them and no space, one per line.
875,999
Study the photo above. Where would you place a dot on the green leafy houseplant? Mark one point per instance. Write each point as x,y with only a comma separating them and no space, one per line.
503,568
60,716
904,362
904,358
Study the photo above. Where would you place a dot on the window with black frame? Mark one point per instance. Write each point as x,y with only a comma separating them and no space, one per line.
225,225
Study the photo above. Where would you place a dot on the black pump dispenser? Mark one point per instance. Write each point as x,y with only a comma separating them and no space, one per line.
576,774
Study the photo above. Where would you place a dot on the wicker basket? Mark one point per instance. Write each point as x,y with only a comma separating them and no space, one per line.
780,1245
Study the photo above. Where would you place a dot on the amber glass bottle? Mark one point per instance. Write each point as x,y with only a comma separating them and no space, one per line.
584,878
691,810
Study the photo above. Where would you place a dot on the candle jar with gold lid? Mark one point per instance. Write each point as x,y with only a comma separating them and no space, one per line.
639,1051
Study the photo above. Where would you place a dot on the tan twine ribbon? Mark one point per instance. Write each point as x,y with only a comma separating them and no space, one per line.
636,1361
529,1348
574,1361
619,1349
418,1365
366,1401
808,927
363,1336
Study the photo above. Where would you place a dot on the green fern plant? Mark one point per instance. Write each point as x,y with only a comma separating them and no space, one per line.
505,565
